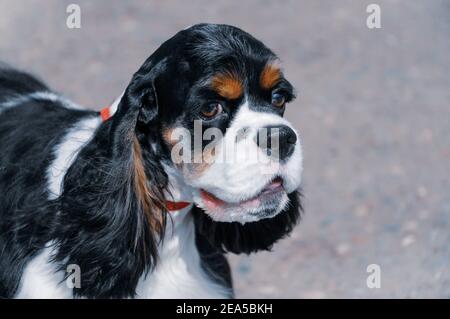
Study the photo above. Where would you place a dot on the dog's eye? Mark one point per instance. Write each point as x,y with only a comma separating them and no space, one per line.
278,99
211,110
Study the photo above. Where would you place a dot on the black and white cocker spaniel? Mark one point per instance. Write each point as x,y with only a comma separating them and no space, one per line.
143,199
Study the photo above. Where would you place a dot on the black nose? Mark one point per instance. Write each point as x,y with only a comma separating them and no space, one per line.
277,141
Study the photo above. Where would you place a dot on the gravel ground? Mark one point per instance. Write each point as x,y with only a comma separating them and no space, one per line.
373,112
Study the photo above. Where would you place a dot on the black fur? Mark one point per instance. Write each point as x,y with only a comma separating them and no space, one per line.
98,222
250,237
28,135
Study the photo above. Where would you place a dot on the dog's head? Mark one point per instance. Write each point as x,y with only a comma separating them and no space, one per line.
213,99
199,112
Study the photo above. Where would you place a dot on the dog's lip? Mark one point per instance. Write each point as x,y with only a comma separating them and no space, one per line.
273,187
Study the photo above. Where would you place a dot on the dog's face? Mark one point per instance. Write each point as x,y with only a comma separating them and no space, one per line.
221,97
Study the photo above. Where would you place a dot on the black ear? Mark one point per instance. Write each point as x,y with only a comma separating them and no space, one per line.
250,237
112,212
150,106
140,99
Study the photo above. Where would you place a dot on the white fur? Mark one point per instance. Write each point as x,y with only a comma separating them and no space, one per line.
41,280
67,150
179,273
244,175
178,190
115,105
43,95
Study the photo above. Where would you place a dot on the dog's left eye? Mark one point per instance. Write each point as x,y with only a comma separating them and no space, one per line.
278,99
211,110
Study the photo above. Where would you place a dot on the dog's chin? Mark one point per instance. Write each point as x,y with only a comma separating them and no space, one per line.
267,204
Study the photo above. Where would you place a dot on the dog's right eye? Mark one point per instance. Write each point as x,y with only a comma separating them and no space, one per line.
278,99
211,110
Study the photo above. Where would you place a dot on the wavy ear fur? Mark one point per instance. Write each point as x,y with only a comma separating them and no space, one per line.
111,208
250,237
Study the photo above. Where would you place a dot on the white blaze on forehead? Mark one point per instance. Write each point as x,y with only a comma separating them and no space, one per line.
247,117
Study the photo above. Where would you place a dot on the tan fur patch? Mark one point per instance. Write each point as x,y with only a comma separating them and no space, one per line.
149,201
228,85
167,136
270,75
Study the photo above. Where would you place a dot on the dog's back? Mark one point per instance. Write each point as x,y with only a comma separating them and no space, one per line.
32,120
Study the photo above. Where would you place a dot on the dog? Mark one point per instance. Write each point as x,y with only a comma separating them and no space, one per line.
98,205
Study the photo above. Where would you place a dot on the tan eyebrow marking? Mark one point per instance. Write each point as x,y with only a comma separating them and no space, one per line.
228,85
270,75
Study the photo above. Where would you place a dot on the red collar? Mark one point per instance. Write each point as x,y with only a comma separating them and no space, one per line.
105,114
174,206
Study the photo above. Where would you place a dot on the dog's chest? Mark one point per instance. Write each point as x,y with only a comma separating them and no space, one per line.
179,273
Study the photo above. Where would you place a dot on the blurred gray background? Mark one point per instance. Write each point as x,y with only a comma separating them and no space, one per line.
373,112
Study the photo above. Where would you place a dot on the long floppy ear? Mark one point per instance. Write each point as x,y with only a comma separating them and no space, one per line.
111,209
250,237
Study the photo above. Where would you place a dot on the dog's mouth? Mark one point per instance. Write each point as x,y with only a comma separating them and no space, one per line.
272,190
